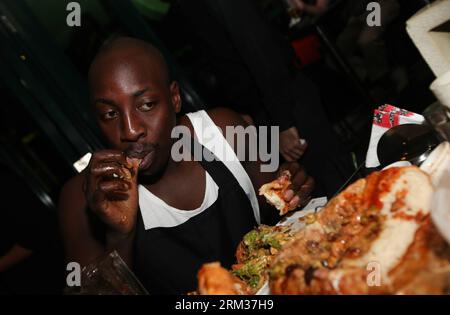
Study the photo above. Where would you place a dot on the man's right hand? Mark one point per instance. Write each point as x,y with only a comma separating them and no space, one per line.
110,188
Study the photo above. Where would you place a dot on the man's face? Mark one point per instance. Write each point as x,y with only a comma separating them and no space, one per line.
135,107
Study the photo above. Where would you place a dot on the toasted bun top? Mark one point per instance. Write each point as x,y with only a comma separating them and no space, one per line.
404,206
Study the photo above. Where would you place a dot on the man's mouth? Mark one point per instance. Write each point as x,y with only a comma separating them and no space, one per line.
145,153
147,160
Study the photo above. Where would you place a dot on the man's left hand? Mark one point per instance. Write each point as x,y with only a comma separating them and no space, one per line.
299,193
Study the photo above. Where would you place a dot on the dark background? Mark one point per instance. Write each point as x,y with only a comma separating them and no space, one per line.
45,120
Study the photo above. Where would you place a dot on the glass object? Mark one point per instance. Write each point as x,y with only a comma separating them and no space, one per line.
443,130
407,142
438,117
110,275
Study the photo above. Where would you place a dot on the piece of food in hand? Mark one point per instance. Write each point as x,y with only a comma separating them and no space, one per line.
213,279
274,192
135,162
130,168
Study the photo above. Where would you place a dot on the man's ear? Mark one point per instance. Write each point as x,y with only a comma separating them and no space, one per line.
175,96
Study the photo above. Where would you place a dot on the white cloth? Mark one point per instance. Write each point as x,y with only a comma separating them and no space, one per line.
157,213
386,117
441,89
209,135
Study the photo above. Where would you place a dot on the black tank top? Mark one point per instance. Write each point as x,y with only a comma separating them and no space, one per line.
167,259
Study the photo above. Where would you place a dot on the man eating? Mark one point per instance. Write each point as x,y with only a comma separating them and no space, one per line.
165,217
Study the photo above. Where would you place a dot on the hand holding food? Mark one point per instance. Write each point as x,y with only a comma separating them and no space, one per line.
290,190
110,189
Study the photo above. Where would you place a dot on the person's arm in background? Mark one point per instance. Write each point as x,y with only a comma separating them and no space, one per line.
319,7
261,50
14,256
291,146
24,220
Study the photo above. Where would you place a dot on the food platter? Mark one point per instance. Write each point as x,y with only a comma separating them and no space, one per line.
394,223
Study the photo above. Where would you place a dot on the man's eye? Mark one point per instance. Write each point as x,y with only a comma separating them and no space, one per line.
147,106
109,115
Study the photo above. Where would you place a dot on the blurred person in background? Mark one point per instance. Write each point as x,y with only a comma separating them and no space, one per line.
364,45
255,68
29,261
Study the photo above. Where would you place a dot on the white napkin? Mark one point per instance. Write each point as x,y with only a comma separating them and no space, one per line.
384,118
441,89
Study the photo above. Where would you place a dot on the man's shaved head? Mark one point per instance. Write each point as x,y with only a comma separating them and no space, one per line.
134,100
128,48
